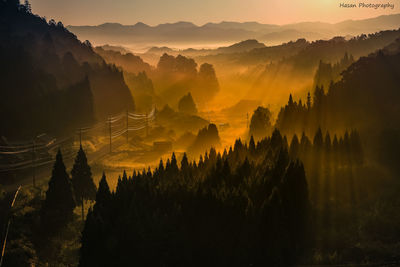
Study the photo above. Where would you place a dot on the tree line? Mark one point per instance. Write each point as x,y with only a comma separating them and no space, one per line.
248,205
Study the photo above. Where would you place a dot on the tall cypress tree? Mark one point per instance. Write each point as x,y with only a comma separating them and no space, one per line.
58,207
184,162
294,147
252,145
103,195
95,236
82,180
295,200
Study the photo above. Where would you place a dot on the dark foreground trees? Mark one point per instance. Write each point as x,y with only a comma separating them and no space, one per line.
82,180
244,207
58,207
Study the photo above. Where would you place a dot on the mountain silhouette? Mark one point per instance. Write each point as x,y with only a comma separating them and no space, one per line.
187,32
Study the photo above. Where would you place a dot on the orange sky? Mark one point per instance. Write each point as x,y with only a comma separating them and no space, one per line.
153,12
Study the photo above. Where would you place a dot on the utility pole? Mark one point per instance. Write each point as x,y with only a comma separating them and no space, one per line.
33,164
109,129
80,137
127,126
147,124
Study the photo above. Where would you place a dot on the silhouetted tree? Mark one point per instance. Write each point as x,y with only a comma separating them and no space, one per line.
318,141
103,195
58,207
260,124
159,212
252,145
296,203
95,248
186,105
208,85
294,147
82,180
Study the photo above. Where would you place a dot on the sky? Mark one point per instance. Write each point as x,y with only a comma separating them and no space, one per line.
154,12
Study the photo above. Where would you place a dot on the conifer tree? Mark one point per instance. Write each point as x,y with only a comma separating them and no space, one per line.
82,180
295,201
252,145
58,207
276,140
318,141
305,144
174,164
184,162
103,195
290,102
94,247
294,147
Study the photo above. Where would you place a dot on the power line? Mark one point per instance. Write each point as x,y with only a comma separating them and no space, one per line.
114,123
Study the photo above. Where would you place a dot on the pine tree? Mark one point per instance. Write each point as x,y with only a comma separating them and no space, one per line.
276,140
160,168
82,180
252,145
103,195
58,207
280,166
184,163
94,249
89,246
318,141
294,147
290,102
173,167
295,201
305,144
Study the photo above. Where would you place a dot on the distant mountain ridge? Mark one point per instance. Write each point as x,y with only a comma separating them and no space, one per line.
240,47
229,31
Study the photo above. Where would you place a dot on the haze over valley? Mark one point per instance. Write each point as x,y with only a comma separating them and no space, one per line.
198,144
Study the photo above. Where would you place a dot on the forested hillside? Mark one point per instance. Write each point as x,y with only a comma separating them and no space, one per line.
366,98
248,206
60,81
169,81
